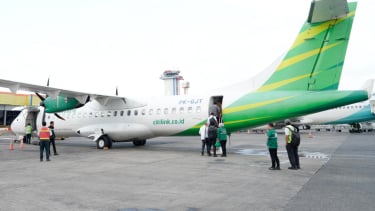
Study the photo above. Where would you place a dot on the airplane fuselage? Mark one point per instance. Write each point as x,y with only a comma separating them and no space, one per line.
183,115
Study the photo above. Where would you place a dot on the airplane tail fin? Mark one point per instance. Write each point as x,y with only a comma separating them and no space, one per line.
315,60
368,86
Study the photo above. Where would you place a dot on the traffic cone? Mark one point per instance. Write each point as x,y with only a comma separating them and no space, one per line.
21,144
11,146
310,135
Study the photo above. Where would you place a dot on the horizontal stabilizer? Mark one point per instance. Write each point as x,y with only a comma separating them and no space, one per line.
321,11
315,60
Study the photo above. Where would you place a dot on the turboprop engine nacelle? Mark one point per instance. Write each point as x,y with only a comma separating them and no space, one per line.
59,104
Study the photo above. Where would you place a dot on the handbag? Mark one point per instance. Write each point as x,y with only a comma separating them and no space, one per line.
217,144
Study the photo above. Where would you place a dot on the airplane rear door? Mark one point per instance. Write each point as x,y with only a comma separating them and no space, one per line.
215,106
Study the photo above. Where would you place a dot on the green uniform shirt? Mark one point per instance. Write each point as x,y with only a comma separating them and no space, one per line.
272,139
222,134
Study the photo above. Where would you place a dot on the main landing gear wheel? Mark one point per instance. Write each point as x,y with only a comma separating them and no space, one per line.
139,143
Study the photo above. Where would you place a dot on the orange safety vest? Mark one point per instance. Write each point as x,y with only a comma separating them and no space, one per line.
44,134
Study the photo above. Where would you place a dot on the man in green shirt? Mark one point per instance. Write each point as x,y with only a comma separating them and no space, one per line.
272,147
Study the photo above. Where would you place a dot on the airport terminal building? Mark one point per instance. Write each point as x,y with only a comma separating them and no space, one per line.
10,105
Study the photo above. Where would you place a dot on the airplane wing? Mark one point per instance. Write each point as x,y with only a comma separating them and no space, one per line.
81,97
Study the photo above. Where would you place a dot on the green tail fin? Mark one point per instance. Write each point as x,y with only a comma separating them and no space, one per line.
315,60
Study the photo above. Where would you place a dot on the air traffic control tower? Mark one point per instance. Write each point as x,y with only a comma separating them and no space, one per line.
171,82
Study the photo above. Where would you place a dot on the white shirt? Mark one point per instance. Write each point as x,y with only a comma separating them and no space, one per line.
203,132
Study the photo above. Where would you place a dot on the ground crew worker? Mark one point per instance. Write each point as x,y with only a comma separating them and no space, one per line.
44,135
291,150
52,137
272,147
28,131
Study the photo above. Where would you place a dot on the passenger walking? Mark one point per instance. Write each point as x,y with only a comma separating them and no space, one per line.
28,131
212,135
203,131
292,150
212,120
44,135
272,147
222,136
215,110
52,137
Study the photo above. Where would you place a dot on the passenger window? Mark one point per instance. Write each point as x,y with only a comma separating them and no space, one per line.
122,113
129,112
158,111
135,112
182,110
173,110
109,113
143,111
151,111
190,109
166,111
115,113
198,109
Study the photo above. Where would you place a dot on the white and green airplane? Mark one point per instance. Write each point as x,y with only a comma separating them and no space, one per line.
352,114
301,82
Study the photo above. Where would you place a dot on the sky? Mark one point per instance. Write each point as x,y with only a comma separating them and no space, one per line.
95,45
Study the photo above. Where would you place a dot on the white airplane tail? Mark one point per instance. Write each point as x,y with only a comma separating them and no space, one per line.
368,86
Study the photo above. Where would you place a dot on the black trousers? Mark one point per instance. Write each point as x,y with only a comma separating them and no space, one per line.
44,145
293,155
204,144
52,142
224,147
274,159
28,138
211,143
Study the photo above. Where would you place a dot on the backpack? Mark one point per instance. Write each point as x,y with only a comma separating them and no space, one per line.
296,139
212,132
213,122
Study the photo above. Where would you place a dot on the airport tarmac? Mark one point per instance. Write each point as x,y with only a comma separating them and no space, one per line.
169,174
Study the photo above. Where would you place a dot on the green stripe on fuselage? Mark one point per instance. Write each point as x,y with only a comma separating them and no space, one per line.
259,108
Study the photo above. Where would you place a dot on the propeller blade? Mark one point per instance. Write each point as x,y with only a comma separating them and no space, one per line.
58,116
40,96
